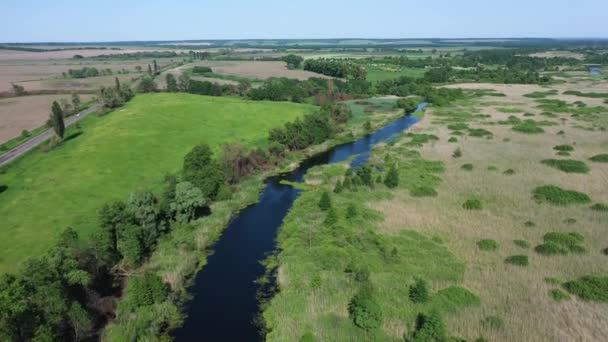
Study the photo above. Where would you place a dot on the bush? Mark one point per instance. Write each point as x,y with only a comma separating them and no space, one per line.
453,139
600,158
518,260
509,172
479,133
429,328
564,148
563,154
365,311
457,153
487,245
567,165
325,201
492,168
600,207
467,167
594,288
392,178
570,221
558,196
529,224
419,292
423,191
492,322
472,204
528,127
522,243
559,295
561,243
458,126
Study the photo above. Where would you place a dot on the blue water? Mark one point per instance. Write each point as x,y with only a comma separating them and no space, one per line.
595,70
224,301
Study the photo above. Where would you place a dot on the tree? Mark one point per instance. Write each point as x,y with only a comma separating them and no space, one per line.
409,105
171,83
149,70
365,312
331,218
131,245
365,173
146,290
117,84
419,292
351,211
183,82
18,90
429,328
293,61
338,188
76,102
188,199
145,210
325,201
392,177
57,120
155,67
203,171
80,320
146,85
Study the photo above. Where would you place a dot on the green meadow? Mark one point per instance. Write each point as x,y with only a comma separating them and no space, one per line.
110,156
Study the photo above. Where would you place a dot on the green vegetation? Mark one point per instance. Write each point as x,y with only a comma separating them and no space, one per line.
467,167
582,94
493,322
419,292
509,172
517,260
541,94
567,165
559,295
600,158
561,243
423,191
593,288
522,243
564,148
487,245
600,207
161,127
472,204
528,127
557,196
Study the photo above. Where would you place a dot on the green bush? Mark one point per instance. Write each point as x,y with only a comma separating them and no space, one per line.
518,260
599,207
561,243
325,201
423,191
594,288
528,127
600,158
365,312
479,132
563,154
487,245
308,337
550,248
453,139
458,126
558,196
492,168
419,291
429,328
472,204
522,243
559,295
457,153
392,178
509,172
564,148
529,224
570,221
492,322
467,167
567,165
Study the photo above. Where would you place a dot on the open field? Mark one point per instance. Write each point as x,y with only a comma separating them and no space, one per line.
519,296
27,112
13,55
258,69
129,149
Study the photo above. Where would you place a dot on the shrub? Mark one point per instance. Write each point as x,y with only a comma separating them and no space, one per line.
453,139
594,288
365,311
472,204
563,154
561,243
570,221
550,248
528,127
518,260
308,337
567,165
423,191
392,178
564,148
492,168
522,243
458,126
600,207
429,328
487,245
479,133
559,295
331,218
467,167
492,322
558,196
419,292
600,158
325,201
457,153
529,224
509,172
351,211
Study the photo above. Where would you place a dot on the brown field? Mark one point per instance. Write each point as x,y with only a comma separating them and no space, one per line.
551,54
258,70
518,295
26,112
13,55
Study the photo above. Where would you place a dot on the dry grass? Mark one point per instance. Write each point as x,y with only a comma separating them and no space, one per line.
518,295
27,112
553,54
258,69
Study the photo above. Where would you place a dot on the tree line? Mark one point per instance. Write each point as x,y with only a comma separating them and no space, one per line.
335,68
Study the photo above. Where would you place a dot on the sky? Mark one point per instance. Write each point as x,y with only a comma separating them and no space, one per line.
129,20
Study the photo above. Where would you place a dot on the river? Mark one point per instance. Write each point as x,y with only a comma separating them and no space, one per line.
224,302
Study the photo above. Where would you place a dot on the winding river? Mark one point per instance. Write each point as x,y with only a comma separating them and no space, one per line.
224,302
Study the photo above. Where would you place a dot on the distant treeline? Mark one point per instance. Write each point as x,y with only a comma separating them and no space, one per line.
335,68
87,72
32,49
138,55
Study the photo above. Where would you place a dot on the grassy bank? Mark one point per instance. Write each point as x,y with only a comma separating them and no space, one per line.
129,149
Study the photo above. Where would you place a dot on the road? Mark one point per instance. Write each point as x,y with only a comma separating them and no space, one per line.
37,140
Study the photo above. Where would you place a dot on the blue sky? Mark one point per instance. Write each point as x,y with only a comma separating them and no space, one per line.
123,20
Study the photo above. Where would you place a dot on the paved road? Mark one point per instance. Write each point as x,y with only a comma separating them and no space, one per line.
37,140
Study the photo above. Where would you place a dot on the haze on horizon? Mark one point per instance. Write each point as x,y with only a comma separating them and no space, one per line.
114,20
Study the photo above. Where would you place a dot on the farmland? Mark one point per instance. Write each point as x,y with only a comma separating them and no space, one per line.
68,185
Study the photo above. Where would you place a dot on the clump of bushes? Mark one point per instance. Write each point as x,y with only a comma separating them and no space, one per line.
518,260
419,291
487,245
522,243
567,165
453,139
365,312
472,204
528,127
555,195
529,224
457,153
492,168
458,126
479,133
563,154
559,295
599,207
600,158
594,288
561,243
564,148
467,167
423,191
570,221
509,172
429,328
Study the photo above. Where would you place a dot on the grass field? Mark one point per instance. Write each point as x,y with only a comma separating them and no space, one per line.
375,74
129,149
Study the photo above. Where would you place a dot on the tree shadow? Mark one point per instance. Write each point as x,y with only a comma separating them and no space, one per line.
3,188
72,136
202,211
